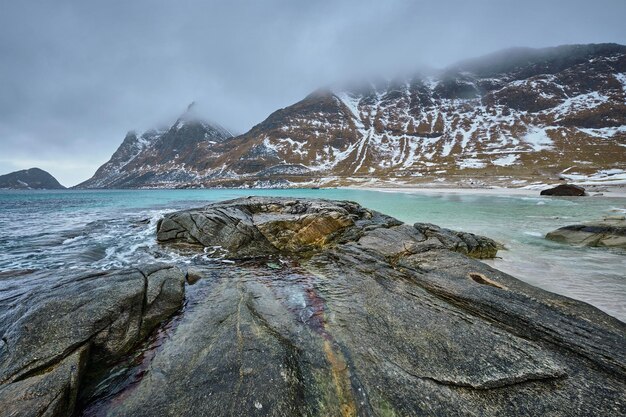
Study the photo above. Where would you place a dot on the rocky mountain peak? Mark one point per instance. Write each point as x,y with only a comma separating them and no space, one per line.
516,115
195,123
172,154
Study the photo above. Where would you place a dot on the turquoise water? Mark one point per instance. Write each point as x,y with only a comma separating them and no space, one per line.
106,229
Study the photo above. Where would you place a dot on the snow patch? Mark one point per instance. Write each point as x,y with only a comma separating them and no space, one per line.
621,77
604,132
471,163
352,103
603,177
538,139
505,160
579,103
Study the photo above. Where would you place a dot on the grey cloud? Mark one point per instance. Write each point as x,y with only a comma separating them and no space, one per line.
76,75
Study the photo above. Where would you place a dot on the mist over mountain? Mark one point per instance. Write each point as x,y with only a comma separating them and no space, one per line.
77,74
313,208
516,115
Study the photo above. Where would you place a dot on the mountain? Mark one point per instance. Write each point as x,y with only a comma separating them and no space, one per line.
29,179
162,158
516,115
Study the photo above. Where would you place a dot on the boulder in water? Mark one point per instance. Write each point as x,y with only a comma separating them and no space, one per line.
565,190
609,233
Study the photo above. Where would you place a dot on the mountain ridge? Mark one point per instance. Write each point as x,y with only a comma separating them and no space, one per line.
159,147
518,113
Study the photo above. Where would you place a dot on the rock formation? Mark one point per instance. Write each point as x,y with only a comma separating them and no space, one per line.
58,328
333,309
609,233
316,308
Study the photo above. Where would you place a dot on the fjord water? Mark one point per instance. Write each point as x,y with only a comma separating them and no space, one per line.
116,228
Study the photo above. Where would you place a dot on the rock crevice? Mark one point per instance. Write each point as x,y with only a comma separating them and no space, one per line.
55,333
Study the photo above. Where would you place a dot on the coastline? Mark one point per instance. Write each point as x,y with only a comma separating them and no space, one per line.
349,262
594,192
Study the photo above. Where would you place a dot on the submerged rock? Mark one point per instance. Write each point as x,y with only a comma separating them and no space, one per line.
610,233
56,329
564,190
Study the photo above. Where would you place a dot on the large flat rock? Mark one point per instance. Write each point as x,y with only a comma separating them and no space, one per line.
333,309
259,226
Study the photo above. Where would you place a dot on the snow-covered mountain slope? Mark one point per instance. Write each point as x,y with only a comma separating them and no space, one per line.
520,113
541,113
162,158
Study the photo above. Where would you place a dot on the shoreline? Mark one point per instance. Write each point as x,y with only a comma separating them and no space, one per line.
594,191
606,191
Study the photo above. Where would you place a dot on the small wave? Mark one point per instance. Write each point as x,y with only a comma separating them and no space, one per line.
618,210
73,239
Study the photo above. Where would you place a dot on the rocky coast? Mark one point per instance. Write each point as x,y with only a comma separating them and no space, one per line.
317,307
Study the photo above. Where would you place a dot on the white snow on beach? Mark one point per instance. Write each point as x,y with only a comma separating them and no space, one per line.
603,177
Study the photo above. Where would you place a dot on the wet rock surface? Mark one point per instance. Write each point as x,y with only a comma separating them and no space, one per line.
609,233
252,227
339,310
57,327
325,308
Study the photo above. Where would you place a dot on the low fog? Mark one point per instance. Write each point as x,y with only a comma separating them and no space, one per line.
77,75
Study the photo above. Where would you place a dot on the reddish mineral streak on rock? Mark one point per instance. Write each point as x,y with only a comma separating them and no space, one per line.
294,282
315,307
317,320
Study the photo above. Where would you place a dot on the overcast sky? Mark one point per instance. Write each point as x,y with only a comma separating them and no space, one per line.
76,75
